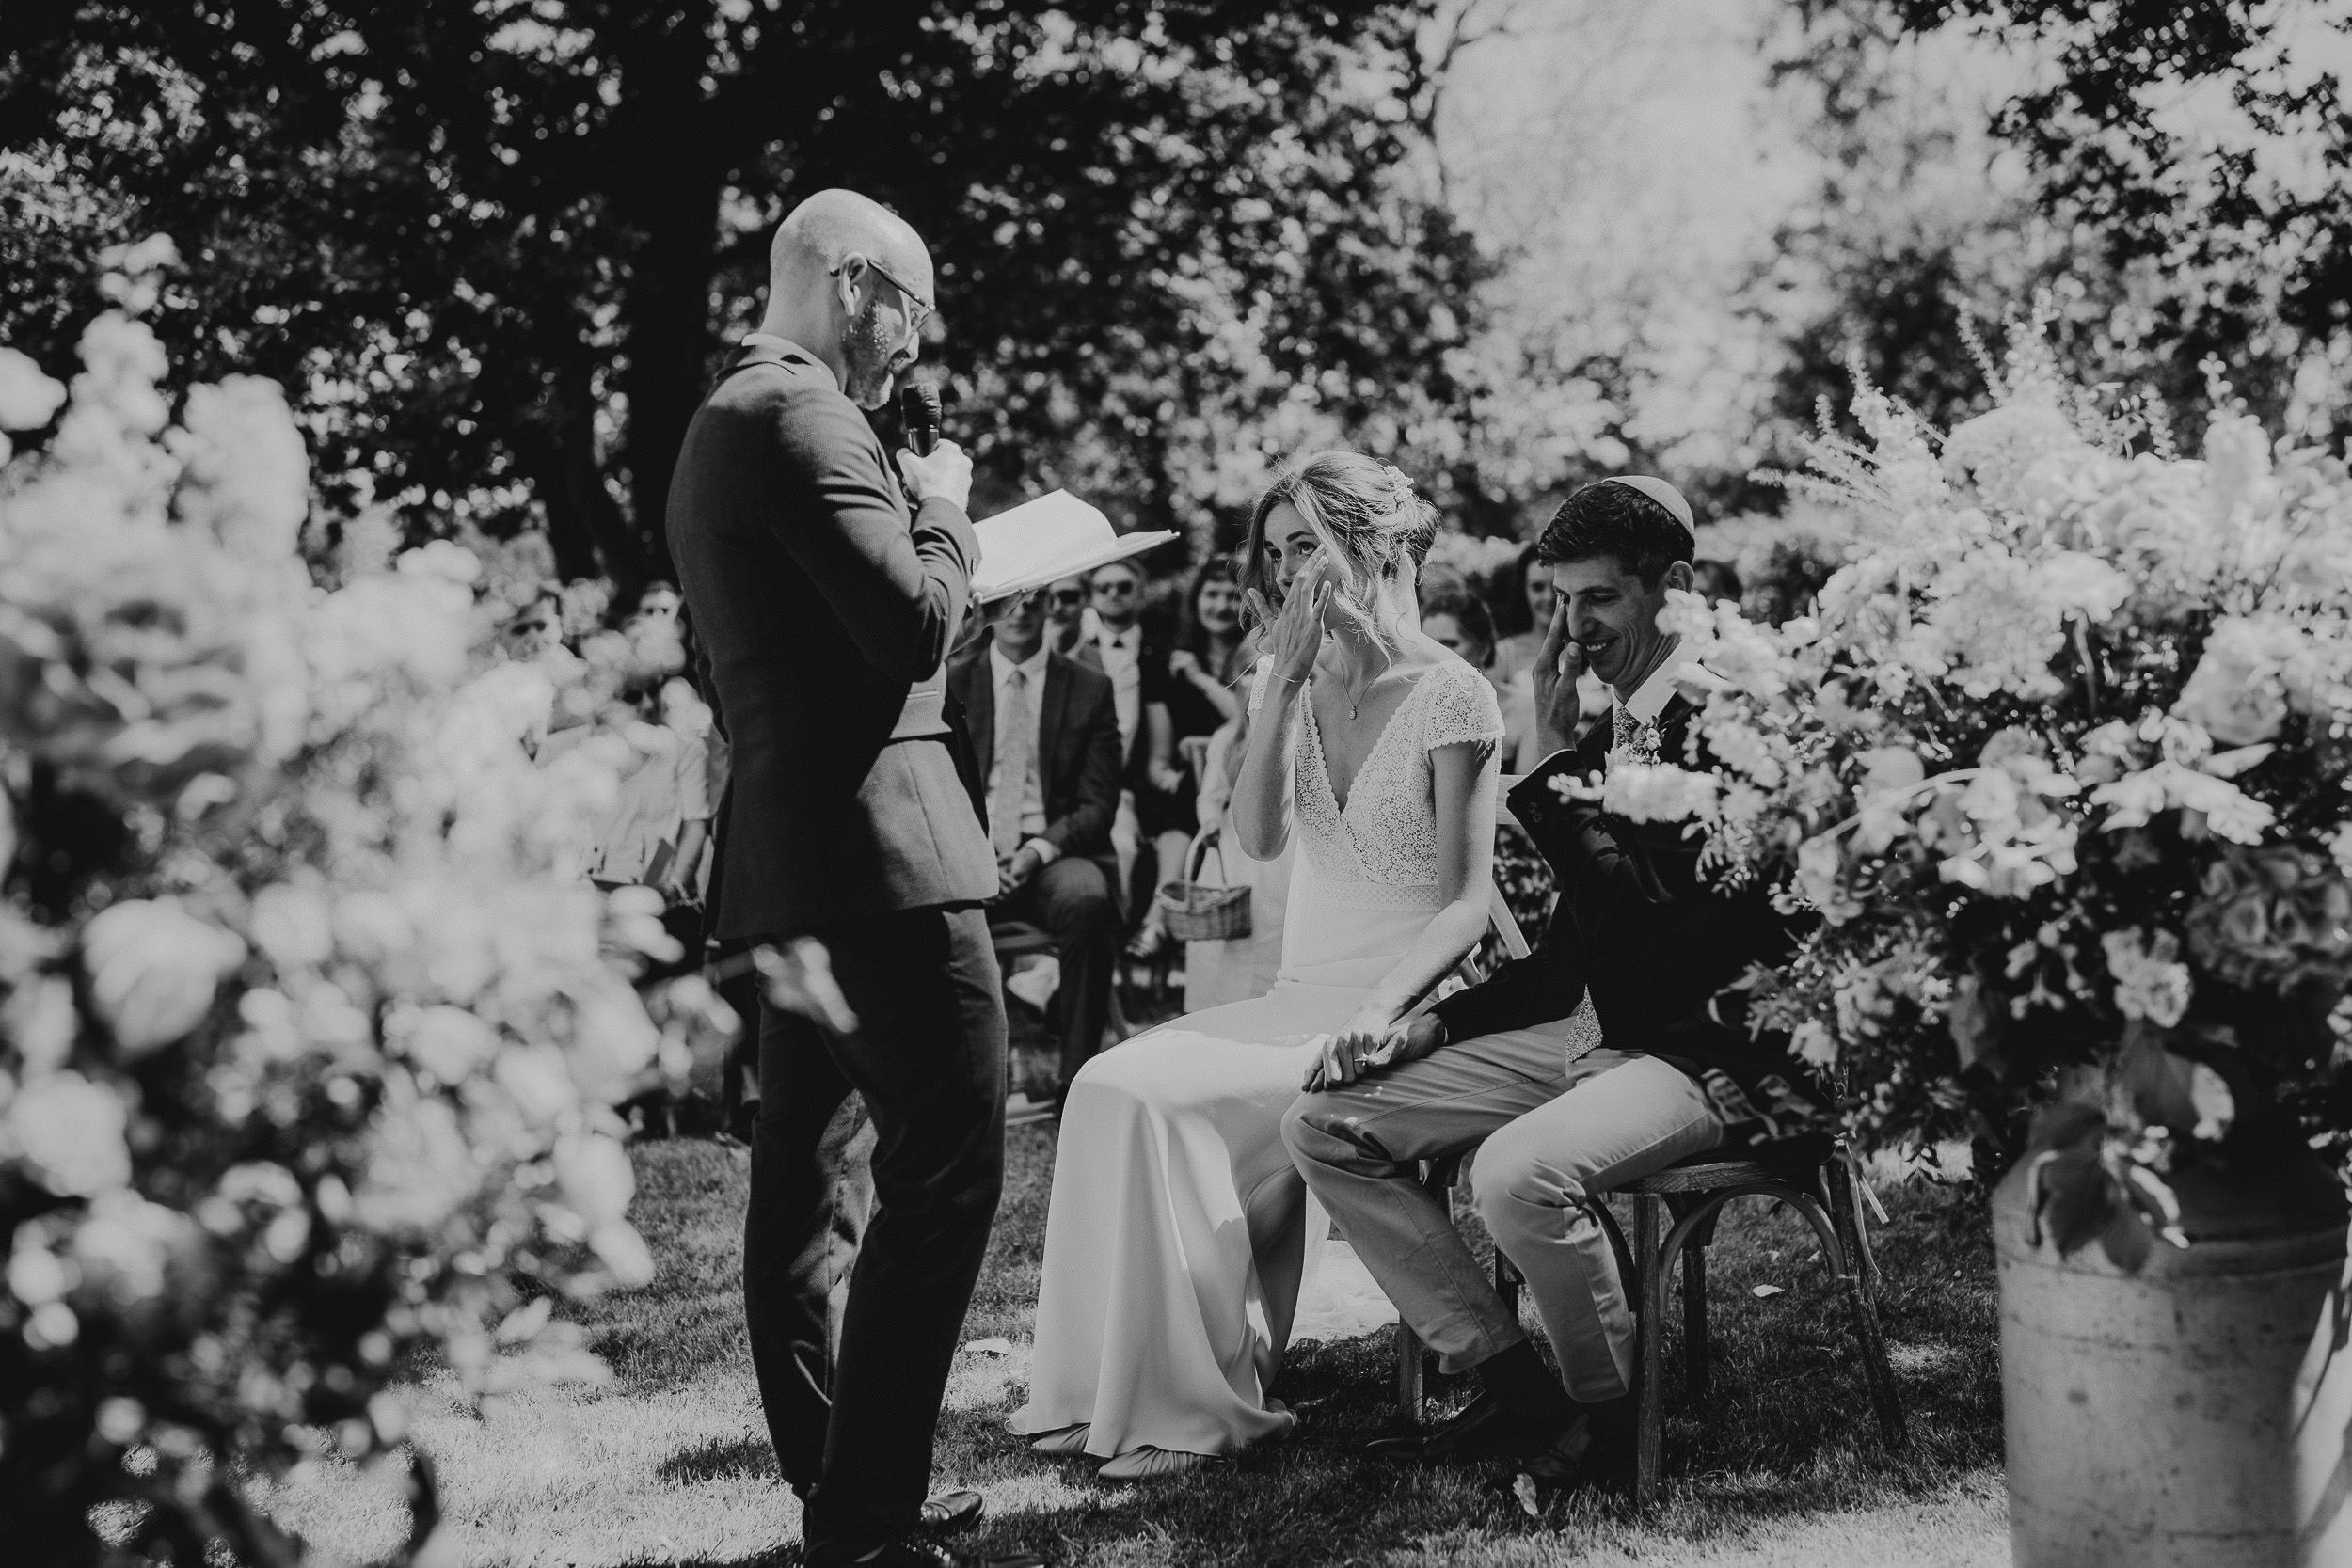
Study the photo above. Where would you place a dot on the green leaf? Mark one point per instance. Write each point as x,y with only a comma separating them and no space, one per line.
2077,1199
1974,1021
2067,1125
2159,1084
2126,1239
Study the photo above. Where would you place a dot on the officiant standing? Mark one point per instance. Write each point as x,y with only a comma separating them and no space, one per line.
826,594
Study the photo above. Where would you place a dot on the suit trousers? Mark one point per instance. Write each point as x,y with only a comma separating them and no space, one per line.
1551,1136
851,1378
1071,898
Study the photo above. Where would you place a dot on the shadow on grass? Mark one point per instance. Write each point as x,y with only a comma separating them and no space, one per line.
1785,1445
723,1459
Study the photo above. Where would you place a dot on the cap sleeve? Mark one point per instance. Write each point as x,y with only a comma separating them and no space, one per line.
1259,684
1462,707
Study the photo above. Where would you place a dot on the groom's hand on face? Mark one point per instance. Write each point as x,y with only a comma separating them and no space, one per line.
1558,663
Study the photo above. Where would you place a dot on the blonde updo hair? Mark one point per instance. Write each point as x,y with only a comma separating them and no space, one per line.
1372,524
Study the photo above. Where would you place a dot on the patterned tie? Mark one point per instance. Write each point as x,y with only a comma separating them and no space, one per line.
1016,763
1636,742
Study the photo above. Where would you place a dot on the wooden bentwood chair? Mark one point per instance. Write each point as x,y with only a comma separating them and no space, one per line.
1816,1177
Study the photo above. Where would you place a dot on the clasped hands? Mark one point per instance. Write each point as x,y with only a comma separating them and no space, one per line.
1015,871
1372,1042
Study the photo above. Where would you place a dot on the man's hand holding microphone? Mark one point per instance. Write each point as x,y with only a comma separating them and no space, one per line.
930,466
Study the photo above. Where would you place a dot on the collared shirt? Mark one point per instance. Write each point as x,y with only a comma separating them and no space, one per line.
786,345
1123,660
1033,799
1649,700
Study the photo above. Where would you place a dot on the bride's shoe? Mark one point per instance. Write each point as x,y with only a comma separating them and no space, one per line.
1069,1441
1154,1464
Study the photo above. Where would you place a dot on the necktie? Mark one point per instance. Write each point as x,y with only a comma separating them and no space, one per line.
1016,760
1635,742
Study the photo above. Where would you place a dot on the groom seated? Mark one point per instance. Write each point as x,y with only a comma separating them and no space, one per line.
1559,1118
1046,731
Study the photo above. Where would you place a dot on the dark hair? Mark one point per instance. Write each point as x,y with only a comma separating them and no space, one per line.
1715,579
1616,520
1469,612
1509,604
1217,568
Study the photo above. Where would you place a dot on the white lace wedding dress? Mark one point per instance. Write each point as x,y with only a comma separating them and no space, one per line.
1180,1233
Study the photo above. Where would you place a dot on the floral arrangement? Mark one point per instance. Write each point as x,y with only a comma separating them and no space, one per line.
307,1045
2056,776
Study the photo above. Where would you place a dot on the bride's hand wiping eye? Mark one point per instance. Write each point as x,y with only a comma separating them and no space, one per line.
1298,631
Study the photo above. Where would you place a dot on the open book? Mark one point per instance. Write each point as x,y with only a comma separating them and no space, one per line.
1045,540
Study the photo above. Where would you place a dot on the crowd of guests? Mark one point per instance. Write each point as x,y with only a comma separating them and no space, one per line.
1107,723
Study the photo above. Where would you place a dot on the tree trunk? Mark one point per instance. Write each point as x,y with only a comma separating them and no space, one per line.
667,188
557,444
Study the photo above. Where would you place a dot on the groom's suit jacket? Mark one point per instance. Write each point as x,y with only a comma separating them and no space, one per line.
825,612
1635,923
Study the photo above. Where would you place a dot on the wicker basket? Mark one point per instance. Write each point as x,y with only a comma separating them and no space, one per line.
1195,912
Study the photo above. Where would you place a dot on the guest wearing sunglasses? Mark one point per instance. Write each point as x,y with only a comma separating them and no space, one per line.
1070,624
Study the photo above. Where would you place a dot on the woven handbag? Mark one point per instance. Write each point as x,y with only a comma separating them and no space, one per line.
1194,910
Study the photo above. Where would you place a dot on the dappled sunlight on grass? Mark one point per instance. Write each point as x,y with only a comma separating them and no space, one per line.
670,1464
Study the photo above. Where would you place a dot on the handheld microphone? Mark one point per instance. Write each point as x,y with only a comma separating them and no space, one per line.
918,410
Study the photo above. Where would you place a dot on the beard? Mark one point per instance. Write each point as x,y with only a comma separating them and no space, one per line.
873,360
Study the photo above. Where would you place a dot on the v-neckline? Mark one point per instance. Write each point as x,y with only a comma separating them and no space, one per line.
1323,754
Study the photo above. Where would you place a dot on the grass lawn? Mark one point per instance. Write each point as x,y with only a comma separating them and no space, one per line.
669,1464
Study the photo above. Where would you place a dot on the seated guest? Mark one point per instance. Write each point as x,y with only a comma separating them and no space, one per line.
1561,1112
1522,612
1137,666
1070,624
1196,699
1046,736
1458,619
1714,581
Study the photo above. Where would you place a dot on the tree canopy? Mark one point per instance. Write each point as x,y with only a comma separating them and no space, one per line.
492,247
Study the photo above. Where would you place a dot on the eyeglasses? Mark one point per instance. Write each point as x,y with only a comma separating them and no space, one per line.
1067,596
920,309
1117,586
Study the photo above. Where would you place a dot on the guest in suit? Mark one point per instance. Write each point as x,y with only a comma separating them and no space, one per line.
1560,1115
1122,649
825,611
1046,732
1069,623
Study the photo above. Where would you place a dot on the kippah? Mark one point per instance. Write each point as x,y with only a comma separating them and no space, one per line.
1664,493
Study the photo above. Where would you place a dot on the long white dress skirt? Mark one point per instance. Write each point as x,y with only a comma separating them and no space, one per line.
1180,1234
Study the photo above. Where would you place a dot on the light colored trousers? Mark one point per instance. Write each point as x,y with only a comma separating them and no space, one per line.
1553,1135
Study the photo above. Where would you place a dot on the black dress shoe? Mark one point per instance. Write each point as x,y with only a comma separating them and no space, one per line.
1482,1430
1598,1449
918,1551
953,1513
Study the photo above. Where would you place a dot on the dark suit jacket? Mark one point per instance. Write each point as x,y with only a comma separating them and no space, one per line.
1152,665
820,606
1636,924
1077,748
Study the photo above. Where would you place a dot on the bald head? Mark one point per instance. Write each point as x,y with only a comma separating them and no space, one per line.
851,281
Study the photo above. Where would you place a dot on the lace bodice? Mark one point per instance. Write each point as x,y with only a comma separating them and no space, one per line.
1380,852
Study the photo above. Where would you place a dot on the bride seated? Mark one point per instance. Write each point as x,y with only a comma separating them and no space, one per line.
1180,1233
